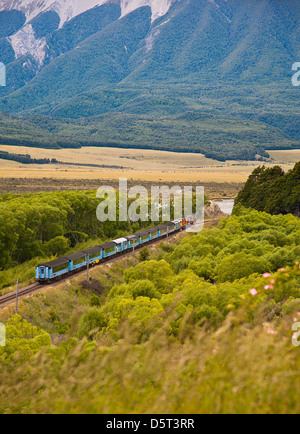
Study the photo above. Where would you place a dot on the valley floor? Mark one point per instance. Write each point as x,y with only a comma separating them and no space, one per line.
91,167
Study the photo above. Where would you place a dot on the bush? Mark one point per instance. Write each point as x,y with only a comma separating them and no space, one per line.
91,321
144,288
144,254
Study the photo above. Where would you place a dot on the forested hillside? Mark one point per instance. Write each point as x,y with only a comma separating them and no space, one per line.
49,224
214,132
272,190
205,325
197,76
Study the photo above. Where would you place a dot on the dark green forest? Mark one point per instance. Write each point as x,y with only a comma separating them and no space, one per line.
273,191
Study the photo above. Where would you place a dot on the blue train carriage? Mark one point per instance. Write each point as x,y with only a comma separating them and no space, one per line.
163,230
94,255
167,228
144,237
121,245
133,241
154,233
52,270
109,249
171,227
76,261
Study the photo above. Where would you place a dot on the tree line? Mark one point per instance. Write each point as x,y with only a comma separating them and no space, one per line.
50,224
26,158
272,190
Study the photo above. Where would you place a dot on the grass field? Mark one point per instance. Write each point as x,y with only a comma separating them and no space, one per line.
136,165
292,156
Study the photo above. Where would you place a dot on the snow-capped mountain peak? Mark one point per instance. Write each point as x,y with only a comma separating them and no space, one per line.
26,41
158,7
68,9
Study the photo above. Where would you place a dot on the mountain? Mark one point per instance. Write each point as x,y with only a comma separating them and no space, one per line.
196,75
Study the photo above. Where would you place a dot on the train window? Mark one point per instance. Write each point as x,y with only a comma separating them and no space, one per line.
79,261
110,250
95,255
145,237
154,234
60,268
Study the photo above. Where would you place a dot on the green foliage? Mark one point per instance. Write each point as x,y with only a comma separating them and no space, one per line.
48,224
249,243
272,191
95,301
160,273
80,28
239,265
23,341
45,23
144,254
10,22
167,327
107,124
144,288
247,353
91,321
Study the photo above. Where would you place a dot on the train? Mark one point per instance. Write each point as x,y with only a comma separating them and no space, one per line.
71,264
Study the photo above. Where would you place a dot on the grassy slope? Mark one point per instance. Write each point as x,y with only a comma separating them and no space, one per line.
195,347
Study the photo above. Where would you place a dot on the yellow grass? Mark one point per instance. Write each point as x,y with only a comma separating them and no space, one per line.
143,165
285,156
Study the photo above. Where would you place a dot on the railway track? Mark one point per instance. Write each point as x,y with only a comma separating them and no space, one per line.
11,297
